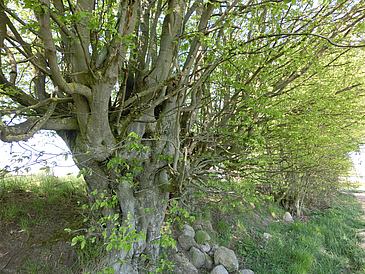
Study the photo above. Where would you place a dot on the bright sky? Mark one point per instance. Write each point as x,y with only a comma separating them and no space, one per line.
53,151
358,158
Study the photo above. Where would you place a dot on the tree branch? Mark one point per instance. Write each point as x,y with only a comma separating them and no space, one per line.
45,26
303,34
16,17
36,106
26,47
347,88
16,94
68,123
2,35
27,129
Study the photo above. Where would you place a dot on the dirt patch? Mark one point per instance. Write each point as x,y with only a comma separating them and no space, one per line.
32,236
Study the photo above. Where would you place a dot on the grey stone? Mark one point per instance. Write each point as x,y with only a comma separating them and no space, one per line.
267,235
213,250
208,262
186,242
246,271
183,265
201,224
226,257
188,230
197,256
219,269
204,247
288,218
128,268
202,236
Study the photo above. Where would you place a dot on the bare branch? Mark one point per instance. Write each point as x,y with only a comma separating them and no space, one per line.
149,91
27,52
76,88
27,129
17,95
45,25
36,106
347,88
16,17
284,35
13,72
61,124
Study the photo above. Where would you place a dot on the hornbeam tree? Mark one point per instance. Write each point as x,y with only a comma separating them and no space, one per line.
133,88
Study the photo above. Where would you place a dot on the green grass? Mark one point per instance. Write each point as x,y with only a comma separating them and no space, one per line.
31,205
43,184
45,190
327,243
89,257
34,211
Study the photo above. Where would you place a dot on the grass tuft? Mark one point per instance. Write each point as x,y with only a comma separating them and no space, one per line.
327,243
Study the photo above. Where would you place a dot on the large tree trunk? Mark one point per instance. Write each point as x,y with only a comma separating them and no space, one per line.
141,178
140,204
133,209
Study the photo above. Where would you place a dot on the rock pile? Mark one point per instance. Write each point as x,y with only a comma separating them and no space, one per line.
216,259
196,253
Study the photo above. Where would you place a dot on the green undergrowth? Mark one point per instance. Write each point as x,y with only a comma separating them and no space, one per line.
34,210
323,241
44,186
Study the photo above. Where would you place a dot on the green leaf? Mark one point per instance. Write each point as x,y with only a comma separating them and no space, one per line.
161,157
84,14
109,246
